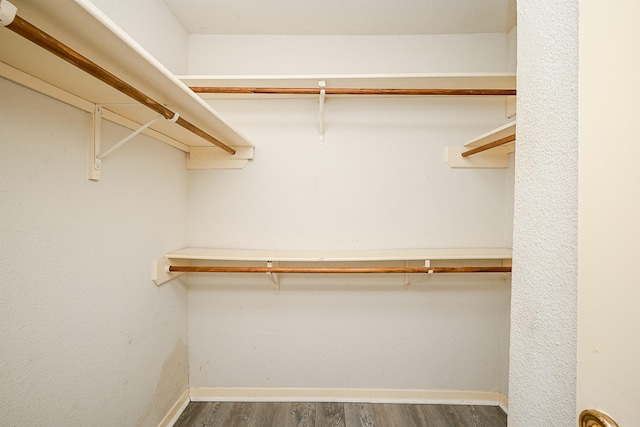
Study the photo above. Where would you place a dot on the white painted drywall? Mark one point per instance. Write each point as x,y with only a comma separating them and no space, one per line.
338,17
542,384
289,55
512,52
153,26
609,286
87,338
378,181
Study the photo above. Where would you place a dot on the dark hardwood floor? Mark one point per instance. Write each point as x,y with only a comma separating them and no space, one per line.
263,414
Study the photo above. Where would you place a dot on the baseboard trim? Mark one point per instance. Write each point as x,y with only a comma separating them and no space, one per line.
176,410
504,403
451,397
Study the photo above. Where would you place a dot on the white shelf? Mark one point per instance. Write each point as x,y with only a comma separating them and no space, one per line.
494,158
368,81
508,129
81,26
212,254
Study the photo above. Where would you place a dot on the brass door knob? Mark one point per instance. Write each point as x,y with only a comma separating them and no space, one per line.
594,418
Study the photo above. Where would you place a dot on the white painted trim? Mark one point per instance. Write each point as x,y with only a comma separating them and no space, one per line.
450,397
176,410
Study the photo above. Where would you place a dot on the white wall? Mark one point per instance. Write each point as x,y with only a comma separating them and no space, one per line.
87,338
379,181
153,26
608,315
267,54
542,384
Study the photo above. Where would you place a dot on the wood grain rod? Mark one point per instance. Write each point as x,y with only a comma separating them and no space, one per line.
351,91
207,269
44,40
489,145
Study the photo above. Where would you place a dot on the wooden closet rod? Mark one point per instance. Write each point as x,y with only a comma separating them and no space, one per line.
489,145
44,40
351,91
203,269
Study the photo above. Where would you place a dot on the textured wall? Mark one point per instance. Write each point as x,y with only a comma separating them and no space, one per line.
87,338
542,385
378,181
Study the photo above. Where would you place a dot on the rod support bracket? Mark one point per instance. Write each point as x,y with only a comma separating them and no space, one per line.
407,277
160,271
322,84
427,264
275,277
94,163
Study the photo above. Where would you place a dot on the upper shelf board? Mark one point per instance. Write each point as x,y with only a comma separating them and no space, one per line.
503,131
81,26
364,81
213,254
497,157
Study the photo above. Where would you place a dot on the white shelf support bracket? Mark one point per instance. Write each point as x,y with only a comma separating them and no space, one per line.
274,276
95,143
407,277
322,84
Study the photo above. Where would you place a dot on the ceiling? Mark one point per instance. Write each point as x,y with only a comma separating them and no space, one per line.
344,17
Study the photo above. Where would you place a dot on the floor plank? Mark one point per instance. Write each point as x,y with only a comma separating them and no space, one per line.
359,415
209,414
276,414
330,414
396,415
303,414
434,415
493,415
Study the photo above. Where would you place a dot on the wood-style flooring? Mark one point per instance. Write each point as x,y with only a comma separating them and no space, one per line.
263,414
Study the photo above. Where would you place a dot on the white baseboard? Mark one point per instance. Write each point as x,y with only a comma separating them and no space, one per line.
451,397
232,394
504,403
176,410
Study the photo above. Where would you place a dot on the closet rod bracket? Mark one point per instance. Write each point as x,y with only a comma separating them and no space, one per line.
275,277
160,271
322,84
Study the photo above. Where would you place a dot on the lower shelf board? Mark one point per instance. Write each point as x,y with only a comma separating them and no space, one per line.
184,260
